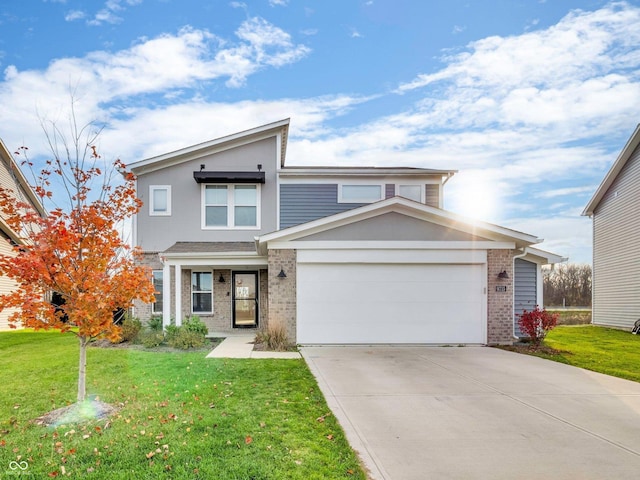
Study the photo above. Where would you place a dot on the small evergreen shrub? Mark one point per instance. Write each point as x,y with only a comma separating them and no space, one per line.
171,332
186,339
130,329
537,323
155,323
151,338
193,324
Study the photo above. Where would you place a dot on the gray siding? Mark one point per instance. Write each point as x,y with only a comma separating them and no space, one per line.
616,250
157,233
392,227
389,190
525,293
432,197
303,203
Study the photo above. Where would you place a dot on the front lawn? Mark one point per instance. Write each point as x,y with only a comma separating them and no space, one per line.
604,350
181,416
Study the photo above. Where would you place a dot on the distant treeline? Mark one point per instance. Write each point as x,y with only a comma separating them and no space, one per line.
567,285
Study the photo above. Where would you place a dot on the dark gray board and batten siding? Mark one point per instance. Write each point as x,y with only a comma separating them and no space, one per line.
616,250
525,290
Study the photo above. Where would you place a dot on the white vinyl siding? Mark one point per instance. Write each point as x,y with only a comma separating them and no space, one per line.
616,250
7,285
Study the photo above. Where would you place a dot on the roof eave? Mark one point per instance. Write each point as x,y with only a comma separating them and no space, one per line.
193,151
613,172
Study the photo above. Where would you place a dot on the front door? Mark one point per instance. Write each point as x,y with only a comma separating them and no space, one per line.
245,299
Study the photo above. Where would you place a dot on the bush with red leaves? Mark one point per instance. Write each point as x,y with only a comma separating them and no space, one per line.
537,323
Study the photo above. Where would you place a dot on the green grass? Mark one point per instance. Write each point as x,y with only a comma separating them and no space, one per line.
604,350
182,416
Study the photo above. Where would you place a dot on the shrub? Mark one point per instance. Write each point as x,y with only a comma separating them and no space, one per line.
151,338
155,323
274,337
537,323
171,332
193,324
130,329
185,339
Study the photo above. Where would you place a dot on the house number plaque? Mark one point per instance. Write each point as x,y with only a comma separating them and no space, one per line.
501,288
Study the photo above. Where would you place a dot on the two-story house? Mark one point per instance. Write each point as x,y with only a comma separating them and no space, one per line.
12,178
339,255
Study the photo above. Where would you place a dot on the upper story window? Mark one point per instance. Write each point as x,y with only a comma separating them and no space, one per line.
160,200
412,192
360,193
231,206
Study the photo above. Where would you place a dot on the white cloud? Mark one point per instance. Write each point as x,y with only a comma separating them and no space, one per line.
73,15
161,65
278,3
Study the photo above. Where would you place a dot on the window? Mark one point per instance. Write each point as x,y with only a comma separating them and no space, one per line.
201,292
359,193
156,307
412,192
160,200
231,206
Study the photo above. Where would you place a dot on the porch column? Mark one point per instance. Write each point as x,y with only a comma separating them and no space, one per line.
166,294
178,295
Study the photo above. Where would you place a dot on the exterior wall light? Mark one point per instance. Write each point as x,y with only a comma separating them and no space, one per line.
282,274
503,274
221,279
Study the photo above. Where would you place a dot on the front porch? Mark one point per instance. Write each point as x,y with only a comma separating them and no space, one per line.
224,283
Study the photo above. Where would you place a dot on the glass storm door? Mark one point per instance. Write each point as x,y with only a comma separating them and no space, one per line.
245,299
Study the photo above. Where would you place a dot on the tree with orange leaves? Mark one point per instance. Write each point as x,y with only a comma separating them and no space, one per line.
77,252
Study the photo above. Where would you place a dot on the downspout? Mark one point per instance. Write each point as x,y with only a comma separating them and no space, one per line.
513,292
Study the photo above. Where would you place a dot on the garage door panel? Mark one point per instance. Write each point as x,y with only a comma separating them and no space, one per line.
377,303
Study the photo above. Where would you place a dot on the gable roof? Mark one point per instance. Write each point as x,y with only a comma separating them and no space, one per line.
615,169
20,186
406,207
216,145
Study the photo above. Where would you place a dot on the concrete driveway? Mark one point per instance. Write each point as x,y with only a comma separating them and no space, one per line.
479,413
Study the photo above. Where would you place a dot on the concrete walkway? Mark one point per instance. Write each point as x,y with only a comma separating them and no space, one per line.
241,346
415,413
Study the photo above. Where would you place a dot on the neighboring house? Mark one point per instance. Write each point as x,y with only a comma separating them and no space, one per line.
616,240
338,255
11,177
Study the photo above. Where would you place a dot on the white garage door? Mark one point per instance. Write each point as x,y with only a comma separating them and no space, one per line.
384,303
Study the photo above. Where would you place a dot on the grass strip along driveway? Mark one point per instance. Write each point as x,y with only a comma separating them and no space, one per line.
180,416
604,350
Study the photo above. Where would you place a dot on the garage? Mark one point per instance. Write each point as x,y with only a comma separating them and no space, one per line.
391,303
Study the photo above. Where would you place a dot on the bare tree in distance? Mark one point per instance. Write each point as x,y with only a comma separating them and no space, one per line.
567,285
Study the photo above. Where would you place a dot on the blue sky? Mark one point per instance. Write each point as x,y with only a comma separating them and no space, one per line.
530,100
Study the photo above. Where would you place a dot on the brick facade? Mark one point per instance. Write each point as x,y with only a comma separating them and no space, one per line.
142,310
500,304
282,291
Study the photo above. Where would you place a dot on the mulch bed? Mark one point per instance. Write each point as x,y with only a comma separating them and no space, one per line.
531,349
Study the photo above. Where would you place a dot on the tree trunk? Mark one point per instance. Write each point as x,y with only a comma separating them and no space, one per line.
82,370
